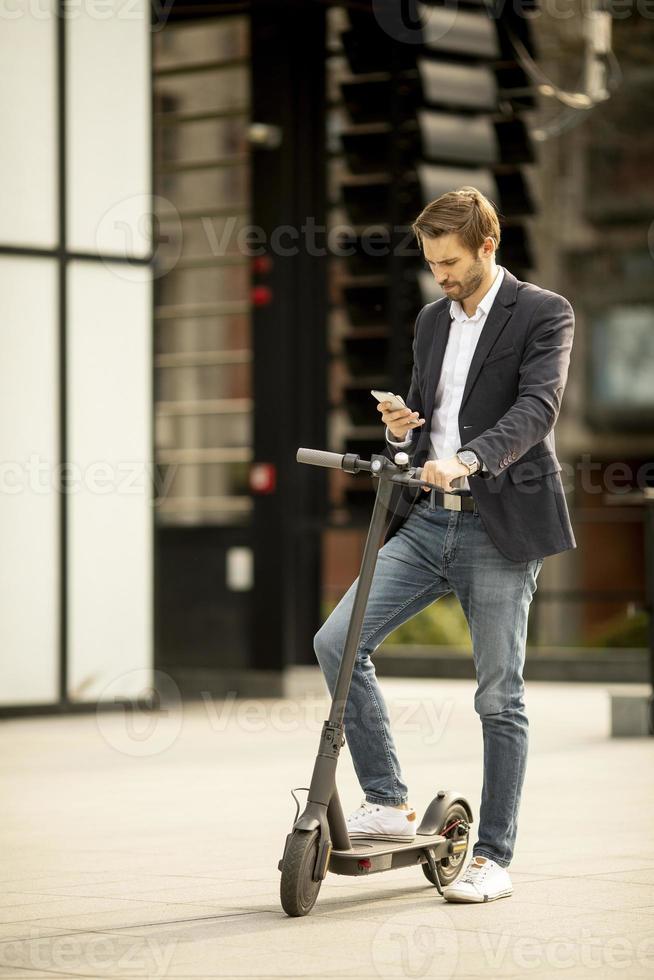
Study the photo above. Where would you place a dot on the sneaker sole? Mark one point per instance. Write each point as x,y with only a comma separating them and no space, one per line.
477,901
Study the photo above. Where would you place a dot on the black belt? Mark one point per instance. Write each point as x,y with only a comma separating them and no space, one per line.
451,501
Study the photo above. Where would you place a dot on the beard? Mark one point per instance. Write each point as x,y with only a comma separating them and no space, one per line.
472,280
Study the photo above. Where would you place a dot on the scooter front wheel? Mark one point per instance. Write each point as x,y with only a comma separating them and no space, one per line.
298,890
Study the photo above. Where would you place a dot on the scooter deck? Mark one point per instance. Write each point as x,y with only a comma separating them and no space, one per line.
368,856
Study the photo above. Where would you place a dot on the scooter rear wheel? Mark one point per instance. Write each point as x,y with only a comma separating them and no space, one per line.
449,867
298,890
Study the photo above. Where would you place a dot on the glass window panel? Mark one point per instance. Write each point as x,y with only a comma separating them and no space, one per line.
204,334
108,106
435,181
465,139
110,515
204,191
206,381
202,298
215,284
208,91
202,237
28,161
449,83
29,502
191,44
212,480
470,33
206,141
623,357
224,429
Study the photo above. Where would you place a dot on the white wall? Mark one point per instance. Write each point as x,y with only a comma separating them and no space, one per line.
28,109
108,587
29,502
108,128
110,512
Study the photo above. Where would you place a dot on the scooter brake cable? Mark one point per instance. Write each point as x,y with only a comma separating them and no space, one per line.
297,802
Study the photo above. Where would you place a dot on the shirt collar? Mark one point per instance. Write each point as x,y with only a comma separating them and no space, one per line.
458,313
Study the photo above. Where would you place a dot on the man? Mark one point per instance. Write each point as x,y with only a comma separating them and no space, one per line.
490,366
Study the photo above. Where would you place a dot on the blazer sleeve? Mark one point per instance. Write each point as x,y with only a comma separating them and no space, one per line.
542,379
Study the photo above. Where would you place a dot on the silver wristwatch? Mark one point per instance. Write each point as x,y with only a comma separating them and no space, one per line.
469,459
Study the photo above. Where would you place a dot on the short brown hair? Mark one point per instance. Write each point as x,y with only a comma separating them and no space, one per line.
466,212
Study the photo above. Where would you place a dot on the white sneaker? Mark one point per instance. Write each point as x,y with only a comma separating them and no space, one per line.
382,822
483,881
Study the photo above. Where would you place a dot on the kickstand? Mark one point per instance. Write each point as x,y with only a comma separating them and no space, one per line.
434,870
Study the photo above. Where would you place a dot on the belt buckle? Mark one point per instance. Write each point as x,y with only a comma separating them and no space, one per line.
452,501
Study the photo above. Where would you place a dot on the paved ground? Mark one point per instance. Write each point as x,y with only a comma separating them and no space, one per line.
148,846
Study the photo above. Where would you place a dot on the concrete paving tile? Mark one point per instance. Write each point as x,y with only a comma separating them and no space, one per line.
128,915
593,928
585,893
40,882
636,876
18,931
74,886
554,866
219,892
13,974
404,943
86,954
153,838
50,906
11,900
162,888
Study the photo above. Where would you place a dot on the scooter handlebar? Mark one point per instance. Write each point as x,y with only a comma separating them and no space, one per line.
320,457
456,484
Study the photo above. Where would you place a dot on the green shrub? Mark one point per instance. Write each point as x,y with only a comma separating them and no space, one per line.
623,630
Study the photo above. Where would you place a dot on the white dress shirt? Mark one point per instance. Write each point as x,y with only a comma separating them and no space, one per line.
463,337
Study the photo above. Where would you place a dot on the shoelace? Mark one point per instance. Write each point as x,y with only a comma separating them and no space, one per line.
363,811
475,873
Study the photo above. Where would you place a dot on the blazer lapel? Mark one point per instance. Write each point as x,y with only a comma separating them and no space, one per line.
439,340
498,316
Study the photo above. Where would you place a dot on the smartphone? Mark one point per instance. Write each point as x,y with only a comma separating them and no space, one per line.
396,401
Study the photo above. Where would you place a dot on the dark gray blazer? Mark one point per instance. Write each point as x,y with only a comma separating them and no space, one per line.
511,401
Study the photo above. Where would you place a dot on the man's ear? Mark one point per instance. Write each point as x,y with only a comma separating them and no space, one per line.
489,238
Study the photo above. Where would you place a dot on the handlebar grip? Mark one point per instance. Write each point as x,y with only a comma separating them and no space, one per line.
456,484
320,457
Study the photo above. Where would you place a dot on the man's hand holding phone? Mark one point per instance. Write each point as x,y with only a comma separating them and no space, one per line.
399,418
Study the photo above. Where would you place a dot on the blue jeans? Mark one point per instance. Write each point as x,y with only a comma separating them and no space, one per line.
434,553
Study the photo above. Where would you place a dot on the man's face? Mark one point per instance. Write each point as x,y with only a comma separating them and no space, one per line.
457,271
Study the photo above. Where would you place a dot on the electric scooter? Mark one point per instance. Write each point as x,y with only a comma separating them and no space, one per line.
319,841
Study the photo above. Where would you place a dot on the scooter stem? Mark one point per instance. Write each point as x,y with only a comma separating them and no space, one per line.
322,791
368,564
